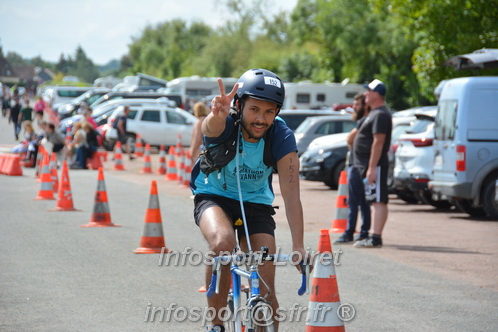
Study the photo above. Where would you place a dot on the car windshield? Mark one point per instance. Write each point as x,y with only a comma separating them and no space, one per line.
79,99
303,127
102,110
293,121
419,126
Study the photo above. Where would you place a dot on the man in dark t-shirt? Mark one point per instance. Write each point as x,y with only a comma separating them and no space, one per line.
370,149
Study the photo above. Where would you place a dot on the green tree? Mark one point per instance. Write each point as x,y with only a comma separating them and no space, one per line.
15,59
442,29
84,69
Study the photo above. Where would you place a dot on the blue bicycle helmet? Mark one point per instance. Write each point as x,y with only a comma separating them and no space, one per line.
261,84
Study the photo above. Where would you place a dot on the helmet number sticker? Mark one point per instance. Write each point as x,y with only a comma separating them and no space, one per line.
272,81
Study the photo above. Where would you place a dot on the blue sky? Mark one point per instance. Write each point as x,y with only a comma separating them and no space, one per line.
103,28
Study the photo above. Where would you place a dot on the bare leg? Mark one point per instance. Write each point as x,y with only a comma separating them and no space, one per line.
218,232
379,217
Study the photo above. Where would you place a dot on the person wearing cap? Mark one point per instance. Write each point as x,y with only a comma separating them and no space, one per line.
252,122
120,122
370,147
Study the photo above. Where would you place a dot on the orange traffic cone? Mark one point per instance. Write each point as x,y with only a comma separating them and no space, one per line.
188,170
139,148
340,223
69,137
162,161
101,216
180,160
178,143
152,241
53,172
147,165
39,162
64,197
118,158
324,291
46,191
171,170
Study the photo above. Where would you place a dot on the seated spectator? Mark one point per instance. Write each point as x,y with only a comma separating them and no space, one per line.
88,118
53,141
79,140
86,151
29,137
39,125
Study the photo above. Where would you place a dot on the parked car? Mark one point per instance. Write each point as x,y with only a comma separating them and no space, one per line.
101,113
136,95
60,94
156,124
414,161
317,126
324,159
293,118
71,108
466,144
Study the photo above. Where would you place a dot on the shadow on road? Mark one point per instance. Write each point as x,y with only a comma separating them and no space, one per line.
435,249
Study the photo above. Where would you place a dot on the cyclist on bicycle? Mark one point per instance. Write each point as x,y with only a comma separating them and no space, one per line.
257,99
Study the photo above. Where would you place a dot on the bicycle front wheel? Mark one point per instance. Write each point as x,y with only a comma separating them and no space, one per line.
261,318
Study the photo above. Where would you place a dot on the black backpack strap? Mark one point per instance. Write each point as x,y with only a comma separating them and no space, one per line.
268,151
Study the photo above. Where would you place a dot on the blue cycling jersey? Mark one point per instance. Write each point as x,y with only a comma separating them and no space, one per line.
255,176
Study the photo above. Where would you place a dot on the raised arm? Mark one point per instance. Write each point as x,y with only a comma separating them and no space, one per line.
214,124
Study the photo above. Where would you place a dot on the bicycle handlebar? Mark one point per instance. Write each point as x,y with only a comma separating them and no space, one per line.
216,275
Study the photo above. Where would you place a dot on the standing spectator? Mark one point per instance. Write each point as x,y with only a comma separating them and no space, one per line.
2,94
40,105
356,189
6,101
26,113
15,108
370,148
200,111
121,127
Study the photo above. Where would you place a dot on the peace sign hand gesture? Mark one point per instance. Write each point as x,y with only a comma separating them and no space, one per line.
220,105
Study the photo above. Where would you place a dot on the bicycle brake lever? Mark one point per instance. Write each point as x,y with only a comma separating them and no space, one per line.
215,281
305,272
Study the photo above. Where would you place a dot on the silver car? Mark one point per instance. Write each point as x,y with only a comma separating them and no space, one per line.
317,126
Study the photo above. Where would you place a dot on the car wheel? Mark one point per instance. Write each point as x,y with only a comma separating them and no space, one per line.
407,196
490,198
465,205
333,179
426,197
108,144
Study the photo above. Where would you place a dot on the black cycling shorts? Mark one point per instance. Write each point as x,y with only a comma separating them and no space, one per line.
259,216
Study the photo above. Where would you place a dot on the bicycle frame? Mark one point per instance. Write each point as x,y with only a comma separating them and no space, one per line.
253,277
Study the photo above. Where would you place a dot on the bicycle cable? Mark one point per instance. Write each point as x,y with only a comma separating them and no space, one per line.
237,173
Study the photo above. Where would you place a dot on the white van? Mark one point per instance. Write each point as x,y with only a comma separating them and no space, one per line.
466,144
307,95
57,95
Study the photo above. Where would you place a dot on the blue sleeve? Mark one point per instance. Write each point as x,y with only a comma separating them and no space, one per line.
229,126
284,141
